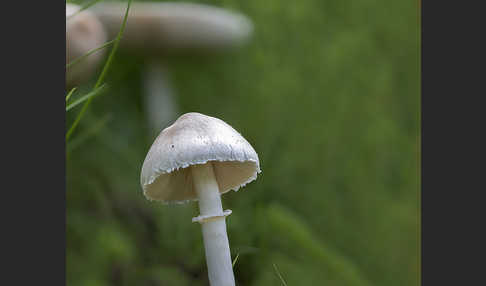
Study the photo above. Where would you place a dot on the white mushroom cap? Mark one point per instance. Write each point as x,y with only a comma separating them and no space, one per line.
193,139
157,27
84,32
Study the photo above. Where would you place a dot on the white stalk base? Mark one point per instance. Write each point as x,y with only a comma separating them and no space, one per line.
212,220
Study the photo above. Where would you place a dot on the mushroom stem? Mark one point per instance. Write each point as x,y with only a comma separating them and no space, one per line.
212,220
159,98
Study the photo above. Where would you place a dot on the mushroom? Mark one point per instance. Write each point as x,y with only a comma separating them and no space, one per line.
84,32
159,96
157,27
158,30
199,158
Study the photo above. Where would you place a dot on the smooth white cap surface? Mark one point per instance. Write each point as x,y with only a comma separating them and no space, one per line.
84,32
156,26
195,138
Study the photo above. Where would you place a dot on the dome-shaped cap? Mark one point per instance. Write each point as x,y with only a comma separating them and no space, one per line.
84,32
158,27
193,139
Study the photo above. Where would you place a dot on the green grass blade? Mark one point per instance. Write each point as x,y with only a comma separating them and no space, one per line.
279,275
92,131
236,259
282,220
84,7
86,97
103,73
115,47
68,96
89,53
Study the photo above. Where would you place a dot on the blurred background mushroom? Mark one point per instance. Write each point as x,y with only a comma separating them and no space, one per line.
157,30
160,102
84,32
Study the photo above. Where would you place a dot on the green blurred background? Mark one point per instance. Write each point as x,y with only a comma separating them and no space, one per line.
328,94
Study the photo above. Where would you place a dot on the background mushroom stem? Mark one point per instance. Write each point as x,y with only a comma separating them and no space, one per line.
212,220
159,100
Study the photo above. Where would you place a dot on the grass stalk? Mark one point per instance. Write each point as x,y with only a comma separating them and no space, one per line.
85,97
83,7
89,53
103,73
68,96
